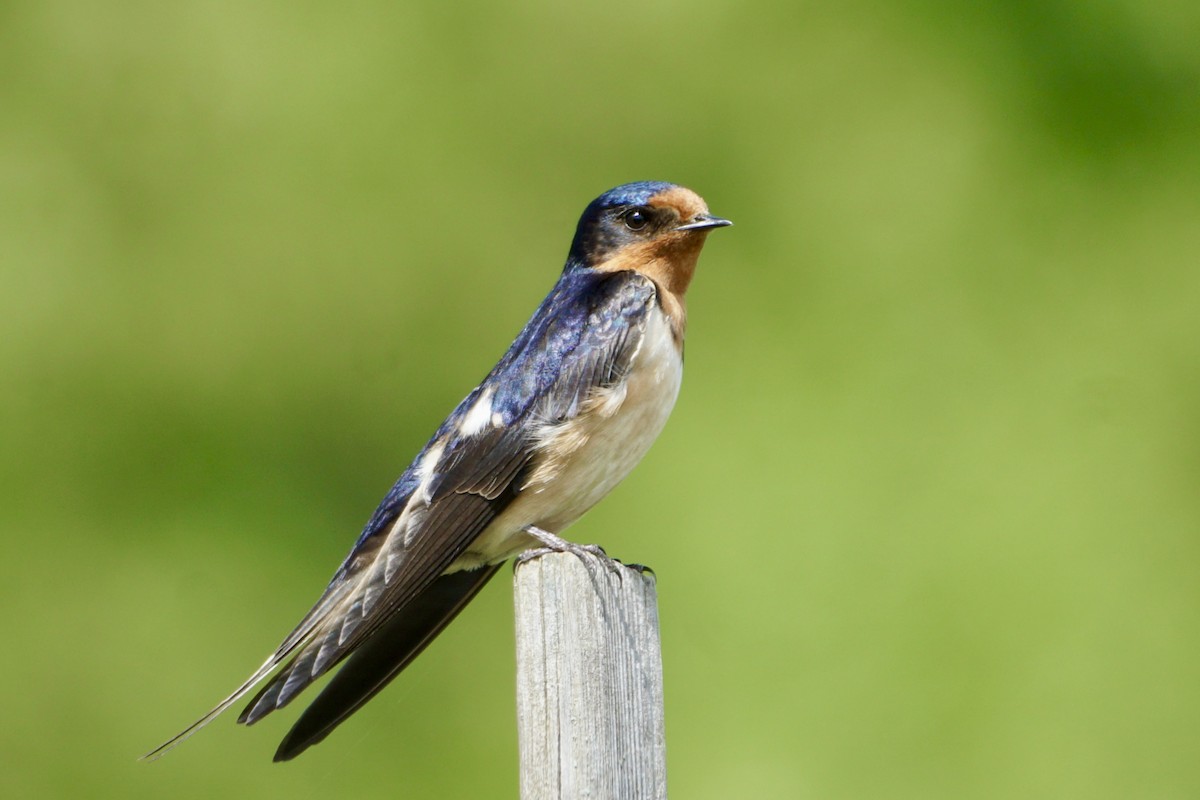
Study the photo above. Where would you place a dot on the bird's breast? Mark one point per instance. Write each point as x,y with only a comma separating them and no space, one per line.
580,460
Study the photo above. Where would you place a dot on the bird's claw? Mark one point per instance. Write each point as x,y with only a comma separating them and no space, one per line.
551,543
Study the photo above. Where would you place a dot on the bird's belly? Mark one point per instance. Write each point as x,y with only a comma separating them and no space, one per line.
582,459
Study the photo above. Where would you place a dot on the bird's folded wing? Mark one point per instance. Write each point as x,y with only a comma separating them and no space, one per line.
579,341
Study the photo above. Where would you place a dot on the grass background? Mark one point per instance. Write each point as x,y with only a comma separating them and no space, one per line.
925,518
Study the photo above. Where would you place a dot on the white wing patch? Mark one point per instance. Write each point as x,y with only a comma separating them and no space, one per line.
426,470
479,416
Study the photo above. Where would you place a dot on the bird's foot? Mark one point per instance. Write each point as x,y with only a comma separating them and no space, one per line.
552,543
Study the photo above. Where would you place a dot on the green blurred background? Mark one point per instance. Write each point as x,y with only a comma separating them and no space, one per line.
925,519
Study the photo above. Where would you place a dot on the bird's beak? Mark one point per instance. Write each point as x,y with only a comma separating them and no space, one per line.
704,221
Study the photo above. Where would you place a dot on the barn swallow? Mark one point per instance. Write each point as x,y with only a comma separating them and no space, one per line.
568,411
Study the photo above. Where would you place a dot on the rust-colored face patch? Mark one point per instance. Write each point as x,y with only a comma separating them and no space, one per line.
686,204
667,257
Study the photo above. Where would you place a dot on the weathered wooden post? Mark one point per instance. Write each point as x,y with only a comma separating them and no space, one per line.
589,681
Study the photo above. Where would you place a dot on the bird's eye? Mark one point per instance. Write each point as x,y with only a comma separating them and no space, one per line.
636,219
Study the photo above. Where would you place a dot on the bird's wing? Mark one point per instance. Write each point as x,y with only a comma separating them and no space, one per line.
580,340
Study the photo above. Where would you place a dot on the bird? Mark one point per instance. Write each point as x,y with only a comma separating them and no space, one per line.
566,413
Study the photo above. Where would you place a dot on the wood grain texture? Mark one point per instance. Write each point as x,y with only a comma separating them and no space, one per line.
589,681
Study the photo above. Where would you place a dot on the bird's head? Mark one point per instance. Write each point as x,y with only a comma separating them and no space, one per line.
650,227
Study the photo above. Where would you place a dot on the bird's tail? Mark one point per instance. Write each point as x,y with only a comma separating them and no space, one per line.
295,639
381,658
216,711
